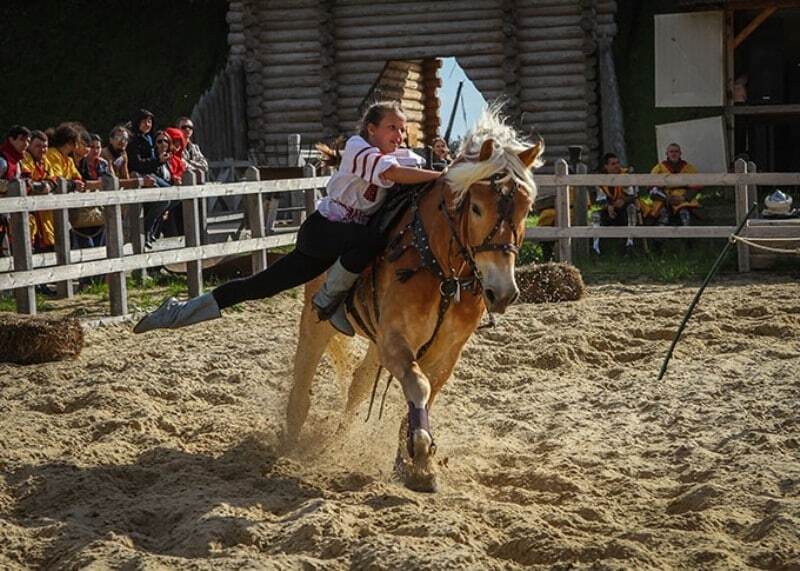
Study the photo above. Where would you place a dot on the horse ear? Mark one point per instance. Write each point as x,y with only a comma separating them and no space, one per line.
487,149
529,156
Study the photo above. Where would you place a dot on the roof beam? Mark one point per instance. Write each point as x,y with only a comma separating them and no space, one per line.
753,25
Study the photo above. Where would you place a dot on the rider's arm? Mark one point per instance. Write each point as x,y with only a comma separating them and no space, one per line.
409,175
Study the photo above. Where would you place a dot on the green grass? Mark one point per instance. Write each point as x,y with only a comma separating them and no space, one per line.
9,304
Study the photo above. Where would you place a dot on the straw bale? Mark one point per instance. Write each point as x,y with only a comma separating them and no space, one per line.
25,339
550,282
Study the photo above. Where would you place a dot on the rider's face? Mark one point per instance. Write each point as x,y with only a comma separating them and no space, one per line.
388,134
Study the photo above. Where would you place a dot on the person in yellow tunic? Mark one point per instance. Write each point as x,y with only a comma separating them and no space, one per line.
673,204
36,168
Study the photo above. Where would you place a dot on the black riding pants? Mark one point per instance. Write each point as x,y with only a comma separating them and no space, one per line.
320,243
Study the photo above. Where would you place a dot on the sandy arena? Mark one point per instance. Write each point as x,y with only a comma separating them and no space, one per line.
557,446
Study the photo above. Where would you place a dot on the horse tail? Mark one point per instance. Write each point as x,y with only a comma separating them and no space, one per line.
332,154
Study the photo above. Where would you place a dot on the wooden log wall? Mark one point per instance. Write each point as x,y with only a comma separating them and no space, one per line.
310,64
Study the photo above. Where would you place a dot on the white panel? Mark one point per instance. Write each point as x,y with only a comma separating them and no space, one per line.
702,142
689,60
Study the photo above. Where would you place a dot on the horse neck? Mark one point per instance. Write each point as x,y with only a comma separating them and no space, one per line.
439,234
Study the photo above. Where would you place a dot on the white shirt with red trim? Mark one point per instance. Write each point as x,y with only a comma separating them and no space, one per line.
357,189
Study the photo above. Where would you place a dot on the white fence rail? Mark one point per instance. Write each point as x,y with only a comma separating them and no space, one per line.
126,253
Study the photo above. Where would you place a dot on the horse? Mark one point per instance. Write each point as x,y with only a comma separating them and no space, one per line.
449,259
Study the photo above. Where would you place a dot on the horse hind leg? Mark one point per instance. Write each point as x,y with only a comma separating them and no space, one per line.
311,344
360,385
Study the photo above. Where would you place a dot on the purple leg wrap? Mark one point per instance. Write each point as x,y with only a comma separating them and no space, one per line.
417,418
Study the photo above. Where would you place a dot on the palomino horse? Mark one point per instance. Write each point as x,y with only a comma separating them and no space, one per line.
449,258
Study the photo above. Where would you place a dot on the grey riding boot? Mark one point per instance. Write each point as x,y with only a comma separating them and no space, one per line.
328,301
173,314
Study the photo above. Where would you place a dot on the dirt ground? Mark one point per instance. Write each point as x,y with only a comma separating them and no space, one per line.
558,448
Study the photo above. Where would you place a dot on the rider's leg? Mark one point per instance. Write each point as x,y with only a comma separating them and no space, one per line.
343,275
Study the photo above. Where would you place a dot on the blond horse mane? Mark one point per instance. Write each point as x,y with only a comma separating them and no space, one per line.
467,170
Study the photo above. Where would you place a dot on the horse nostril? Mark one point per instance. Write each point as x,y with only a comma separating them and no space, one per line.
490,296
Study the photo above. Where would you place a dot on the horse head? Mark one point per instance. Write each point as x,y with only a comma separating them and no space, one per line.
494,192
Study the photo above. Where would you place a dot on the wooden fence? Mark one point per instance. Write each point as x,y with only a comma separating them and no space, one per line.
125,253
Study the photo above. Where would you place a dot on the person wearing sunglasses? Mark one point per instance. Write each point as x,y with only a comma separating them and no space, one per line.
191,153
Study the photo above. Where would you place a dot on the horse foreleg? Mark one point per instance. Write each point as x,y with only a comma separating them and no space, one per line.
415,463
312,341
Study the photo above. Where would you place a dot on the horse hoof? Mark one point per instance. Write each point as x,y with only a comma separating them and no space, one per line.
422,482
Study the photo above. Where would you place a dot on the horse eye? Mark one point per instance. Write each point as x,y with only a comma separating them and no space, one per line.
475,210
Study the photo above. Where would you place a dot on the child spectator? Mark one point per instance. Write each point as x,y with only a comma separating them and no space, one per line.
192,153
176,164
115,153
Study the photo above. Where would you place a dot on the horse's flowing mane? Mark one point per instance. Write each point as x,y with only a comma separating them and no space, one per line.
467,170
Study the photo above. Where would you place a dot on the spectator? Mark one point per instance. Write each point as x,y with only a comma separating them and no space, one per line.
673,204
192,153
115,153
88,224
142,156
145,160
176,164
11,153
619,206
441,154
37,170
93,165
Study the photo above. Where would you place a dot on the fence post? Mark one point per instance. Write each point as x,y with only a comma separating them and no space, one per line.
310,195
254,210
294,157
562,213
63,245
743,250
752,189
191,232
134,232
581,246
115,248
21,249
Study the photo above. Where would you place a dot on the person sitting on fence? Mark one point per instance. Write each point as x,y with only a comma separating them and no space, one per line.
441,154
336,237
11,153
673,204
618,205
88,224
192,153
37,170
115,153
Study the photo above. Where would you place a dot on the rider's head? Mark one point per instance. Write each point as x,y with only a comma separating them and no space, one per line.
384,126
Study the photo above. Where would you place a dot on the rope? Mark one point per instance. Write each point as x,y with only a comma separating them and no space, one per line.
753,244
696,299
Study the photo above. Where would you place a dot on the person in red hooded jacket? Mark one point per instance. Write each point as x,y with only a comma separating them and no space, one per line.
176,166
12,152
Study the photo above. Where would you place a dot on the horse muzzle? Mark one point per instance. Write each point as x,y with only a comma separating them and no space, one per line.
497,299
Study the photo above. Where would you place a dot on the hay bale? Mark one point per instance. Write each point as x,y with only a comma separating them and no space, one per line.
26,339
548,283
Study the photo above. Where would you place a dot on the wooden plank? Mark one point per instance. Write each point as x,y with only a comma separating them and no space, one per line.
77,200
62,248
115,246
147,260
544,233
581,247
254,210
21,249
191,232
740,197
562,214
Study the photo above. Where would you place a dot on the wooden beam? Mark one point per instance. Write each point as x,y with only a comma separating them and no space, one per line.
753,25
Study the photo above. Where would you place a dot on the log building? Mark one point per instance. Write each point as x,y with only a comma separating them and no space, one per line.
309,65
